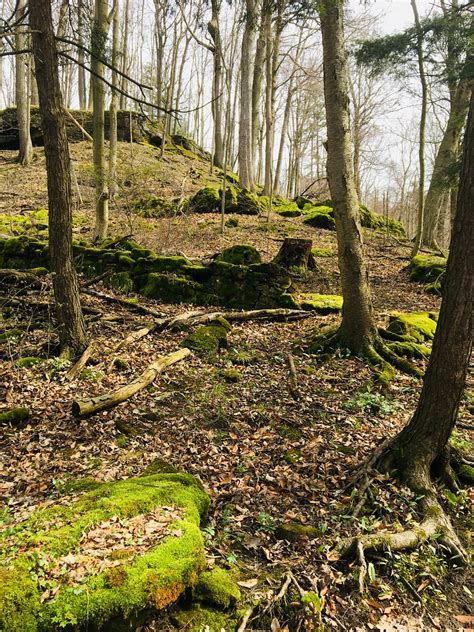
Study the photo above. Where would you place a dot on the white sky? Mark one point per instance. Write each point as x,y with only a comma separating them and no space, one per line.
396,14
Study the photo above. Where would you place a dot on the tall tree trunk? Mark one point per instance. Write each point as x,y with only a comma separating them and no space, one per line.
440,181
66,290
22,98
81,73
113,187
124,68
257,82
217,85
268,180
99,37
423,440
245,123
357,328
422,133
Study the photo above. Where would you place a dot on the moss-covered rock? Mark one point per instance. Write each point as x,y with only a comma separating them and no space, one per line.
319,217
418,326
218,588
156,206
208,339
288,209
120,281
171,288
206,200
10,335
240,254
14,416
249,203
322,303
427,268
47,583
199,619
294,531
230,375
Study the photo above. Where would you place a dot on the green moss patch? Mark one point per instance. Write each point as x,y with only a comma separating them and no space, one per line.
14,416
240,255
198,618
417,326
322,252
217,588
321,215
322,303
209,339
294,531
62,566
427,268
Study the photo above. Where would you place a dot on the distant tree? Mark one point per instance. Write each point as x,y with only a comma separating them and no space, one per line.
66,291
444,41
99,38
22,97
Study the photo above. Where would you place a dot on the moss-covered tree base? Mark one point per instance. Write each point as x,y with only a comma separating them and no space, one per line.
121,548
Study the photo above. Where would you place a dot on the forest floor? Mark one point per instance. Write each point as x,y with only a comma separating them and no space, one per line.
263,457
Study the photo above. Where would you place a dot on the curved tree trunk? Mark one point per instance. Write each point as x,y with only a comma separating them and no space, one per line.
445,158
357,328
423,440
66,290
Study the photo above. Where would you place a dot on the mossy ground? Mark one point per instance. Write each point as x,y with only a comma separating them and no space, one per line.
154,578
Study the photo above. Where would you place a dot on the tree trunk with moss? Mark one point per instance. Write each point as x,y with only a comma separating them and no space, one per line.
21,87
66,289
99,37
423,440
357,329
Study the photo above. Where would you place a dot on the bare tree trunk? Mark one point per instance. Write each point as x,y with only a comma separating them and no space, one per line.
423,440
421,146
217,85
66,290
445,158
245,124
113,187
81,73
268,180
22,98
124,68
99,37
357,328
257,82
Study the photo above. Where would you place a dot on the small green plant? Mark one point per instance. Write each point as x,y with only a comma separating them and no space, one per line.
370,402
266,522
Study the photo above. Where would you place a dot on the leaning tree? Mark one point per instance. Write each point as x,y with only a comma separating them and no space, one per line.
66,290
421,451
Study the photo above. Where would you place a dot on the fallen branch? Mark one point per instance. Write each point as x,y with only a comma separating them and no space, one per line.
138,307
97,278
83,407
19,278
293,380
76,368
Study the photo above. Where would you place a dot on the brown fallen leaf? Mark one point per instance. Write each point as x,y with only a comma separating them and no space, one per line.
248,583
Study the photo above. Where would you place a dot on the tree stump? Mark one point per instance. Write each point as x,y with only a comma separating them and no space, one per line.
295,255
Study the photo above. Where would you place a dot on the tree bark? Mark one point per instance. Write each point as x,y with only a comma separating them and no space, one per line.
99,37
245,124
423,440
445,158
357,328
257,82
217,85
422,132
66,291
113,185
21,88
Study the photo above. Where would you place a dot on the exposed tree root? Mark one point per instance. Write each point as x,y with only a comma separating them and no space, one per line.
435,526
384,357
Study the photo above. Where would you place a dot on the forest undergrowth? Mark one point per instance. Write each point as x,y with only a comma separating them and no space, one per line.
267,460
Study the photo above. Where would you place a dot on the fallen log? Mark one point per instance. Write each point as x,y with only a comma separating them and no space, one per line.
18,278
81,408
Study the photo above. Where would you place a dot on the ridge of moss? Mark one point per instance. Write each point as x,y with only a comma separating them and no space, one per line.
154,578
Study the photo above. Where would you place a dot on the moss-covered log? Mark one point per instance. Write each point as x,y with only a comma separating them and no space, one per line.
14,416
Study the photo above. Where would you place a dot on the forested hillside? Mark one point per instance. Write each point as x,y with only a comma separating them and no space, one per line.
236,289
